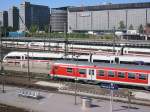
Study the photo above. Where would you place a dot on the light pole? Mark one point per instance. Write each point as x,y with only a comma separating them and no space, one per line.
76,71
114,40
111,98
28,63
2,67
66,40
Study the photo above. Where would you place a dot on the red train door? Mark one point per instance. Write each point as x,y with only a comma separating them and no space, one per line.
91,74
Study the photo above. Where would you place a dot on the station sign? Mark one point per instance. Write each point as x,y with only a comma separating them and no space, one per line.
110,86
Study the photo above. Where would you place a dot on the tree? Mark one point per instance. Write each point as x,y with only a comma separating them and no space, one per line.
121,25
141,29
3,31
10,29
46,28
33,28
131,27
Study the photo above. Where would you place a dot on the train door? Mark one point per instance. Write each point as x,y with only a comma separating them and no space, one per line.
91,74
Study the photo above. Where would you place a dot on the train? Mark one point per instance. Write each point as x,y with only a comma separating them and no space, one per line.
83,49
48,56
100,73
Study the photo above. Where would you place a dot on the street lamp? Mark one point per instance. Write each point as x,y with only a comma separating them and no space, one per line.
114,40
2,67
76,71
28,64
66,40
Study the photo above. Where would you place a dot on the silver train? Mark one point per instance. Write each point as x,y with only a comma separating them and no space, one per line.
83,49
43,57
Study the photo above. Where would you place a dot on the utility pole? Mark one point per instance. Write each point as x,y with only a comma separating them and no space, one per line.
28,64
76,71
2,67
66,40
111,98
114,40
49,37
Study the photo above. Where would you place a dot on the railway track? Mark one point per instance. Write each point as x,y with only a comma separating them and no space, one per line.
21,79
13,77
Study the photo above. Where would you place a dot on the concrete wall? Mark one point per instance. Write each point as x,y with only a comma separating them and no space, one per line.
84,20
107,19
148,15
71,21
136,17
100,20
115,16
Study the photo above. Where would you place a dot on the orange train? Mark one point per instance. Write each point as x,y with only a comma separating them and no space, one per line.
134,75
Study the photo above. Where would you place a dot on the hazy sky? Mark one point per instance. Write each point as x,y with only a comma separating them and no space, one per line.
5,4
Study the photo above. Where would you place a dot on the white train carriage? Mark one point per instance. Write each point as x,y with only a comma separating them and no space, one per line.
17,57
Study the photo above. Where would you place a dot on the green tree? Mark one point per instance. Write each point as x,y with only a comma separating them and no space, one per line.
141,29
3,31
131,27
10,29
46,28
33,28
121,25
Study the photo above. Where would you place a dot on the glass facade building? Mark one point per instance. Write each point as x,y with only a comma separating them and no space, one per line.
58,19
31,14
13,18
4,19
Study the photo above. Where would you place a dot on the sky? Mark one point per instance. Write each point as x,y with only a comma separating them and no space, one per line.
6,4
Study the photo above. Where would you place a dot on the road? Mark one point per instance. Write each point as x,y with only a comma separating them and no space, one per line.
53,102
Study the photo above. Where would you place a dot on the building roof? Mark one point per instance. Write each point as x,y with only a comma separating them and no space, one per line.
111,7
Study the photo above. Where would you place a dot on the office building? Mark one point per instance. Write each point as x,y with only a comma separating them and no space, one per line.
58,19
13,18
4,19
107,17
31,14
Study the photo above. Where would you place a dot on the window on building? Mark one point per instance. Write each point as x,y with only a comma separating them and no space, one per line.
131,75
82,71
143,76
69,70
111,74
121,74
101,73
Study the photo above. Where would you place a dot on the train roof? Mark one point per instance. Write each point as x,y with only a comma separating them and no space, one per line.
111,65
37,54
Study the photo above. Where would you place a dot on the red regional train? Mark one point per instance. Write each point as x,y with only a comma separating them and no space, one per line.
134,75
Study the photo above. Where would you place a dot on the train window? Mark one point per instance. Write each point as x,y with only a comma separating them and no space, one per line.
131,75
55,67
121,74
111,74
101,73
82,71
13,57
91,72
69,70
143,76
